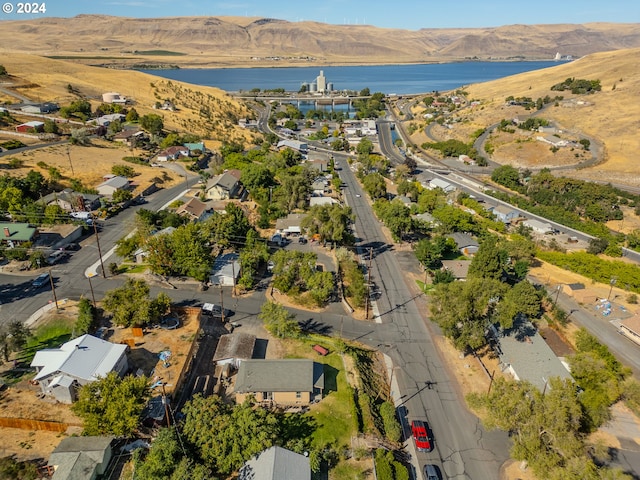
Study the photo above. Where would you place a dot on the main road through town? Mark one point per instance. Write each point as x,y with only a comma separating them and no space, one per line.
462,447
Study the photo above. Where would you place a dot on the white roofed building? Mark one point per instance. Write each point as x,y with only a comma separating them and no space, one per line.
78,362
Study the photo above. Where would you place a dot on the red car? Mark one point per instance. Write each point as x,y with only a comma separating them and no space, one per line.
420,432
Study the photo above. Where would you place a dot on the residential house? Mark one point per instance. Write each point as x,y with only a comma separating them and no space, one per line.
320,164
630,328
81,458
233,348
173,153
466,244
60,371
14,234
195,209
321,200
466,159
444,185
71,201
130,136
112,183
301,147
223,187
553,140
106,120
47,107
225,270
319,186
30,127
505,213
141,254
113,97
195,147
291,224
244,123
426,218
458,268
276,463
538,227
280,382
527,357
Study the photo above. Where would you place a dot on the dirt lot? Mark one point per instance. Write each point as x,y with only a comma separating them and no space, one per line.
20,400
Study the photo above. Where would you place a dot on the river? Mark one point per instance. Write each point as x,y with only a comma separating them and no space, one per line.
388,79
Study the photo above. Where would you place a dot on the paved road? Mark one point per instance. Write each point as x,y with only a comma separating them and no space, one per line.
462,447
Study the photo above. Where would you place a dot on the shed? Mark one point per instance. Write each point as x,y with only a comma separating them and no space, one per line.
233,348
81,458
226,270
30,126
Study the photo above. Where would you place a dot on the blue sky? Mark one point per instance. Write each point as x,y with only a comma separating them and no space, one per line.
408,14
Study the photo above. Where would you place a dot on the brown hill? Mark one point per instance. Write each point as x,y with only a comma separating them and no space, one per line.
611,116
220,41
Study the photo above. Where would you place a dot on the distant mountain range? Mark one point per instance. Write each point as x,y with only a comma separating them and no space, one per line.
204,40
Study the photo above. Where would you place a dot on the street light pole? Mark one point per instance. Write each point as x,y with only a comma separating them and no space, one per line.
558,288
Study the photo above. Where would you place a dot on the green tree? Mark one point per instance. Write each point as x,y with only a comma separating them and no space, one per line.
121,195
50,126
112,405
152,123
86,317
253,254
214,427
166,460
507,176
132,116
331,222
123,170
392,429
3,71
320,286
279,321
489,261
464,309
522,299
130,305
375,185
12,469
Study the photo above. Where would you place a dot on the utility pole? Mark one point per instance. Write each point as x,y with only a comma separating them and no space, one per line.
221,304
166,405
366,300
69,156
612,282
233,272
558,288
53,289
95,230
93,297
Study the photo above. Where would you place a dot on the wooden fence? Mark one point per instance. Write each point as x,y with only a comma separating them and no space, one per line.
26,424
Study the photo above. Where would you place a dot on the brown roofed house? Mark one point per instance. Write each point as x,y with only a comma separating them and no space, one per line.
195,209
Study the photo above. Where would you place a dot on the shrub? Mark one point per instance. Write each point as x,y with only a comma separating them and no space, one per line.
392,429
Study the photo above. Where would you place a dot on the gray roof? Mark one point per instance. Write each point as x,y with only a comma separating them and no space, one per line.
115,182
288,375
463,240
529,356
291,220
226,181
276,463
85,357
458,268
76,458
235,345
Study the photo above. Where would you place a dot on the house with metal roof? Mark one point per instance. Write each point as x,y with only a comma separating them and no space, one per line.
527,357
630,328
113,183
226,270
276,463
280,382
80,458
291,224
301,147
442,184
505,213
13,234
60,371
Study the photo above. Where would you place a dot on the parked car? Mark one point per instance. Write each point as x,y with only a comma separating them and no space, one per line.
215,310
40,281
302,240
420,432
270,266
72,247
56,256
431,472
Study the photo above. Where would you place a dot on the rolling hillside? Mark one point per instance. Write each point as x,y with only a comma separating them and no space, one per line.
223,41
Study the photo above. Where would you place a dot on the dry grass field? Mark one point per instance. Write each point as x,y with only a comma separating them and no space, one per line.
610,117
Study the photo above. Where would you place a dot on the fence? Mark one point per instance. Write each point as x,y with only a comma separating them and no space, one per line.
25,424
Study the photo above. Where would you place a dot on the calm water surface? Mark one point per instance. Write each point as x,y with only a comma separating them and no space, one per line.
399,79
